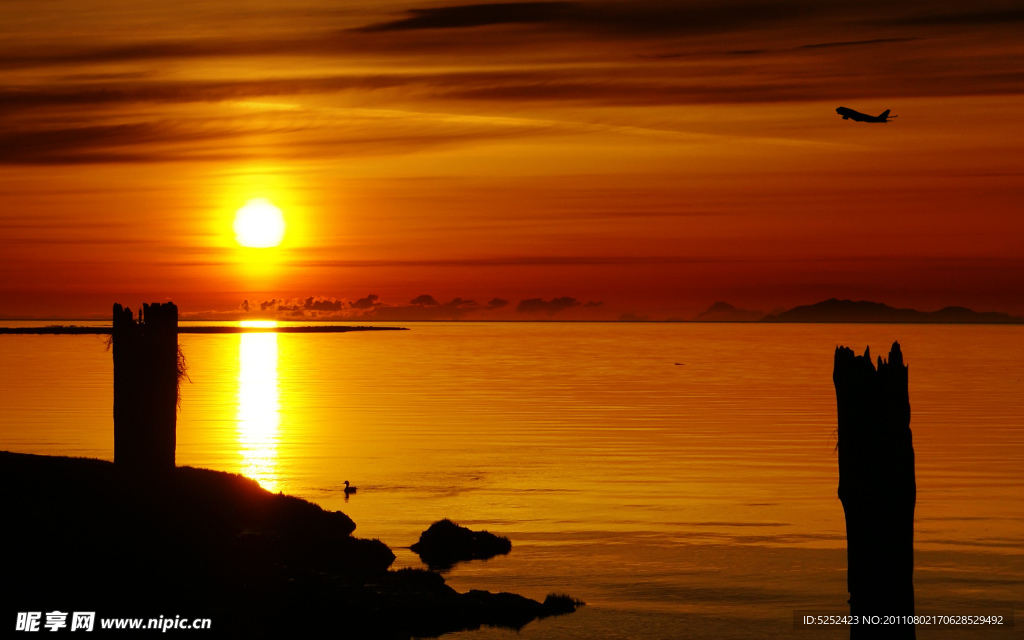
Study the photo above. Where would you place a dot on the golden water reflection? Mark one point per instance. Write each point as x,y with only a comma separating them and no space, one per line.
259,409
621,477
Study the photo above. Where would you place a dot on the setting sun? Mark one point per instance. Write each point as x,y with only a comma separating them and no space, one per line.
259,224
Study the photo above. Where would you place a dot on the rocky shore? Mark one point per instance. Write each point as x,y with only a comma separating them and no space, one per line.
80,536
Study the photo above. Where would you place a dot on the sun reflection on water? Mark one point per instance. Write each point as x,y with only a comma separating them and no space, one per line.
259,409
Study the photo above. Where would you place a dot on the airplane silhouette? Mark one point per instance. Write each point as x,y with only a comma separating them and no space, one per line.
850,114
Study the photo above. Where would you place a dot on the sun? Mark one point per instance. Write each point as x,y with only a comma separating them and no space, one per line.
259,224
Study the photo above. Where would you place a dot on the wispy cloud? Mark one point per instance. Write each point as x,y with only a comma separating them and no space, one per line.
97,144
632,19
514,261
477,15
235,131
855,43
976,16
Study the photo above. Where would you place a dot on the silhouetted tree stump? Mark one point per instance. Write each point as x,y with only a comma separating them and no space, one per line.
877,488
146,371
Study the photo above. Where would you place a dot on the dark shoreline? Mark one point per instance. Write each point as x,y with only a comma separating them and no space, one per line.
77,330
82,536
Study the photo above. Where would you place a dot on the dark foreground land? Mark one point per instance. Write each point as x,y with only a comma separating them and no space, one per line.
198,543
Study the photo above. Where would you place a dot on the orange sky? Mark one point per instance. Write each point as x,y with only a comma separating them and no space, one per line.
651,157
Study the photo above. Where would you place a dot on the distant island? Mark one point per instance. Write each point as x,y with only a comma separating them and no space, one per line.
834,310
725,312
860,311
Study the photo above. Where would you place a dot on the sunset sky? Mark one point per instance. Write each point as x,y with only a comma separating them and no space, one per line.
440,160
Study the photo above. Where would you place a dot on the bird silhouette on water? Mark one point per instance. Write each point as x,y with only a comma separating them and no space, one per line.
350,490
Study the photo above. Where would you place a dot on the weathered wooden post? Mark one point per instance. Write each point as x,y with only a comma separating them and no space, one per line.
145,388
877,488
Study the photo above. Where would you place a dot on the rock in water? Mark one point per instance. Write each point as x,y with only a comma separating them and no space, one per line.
446,543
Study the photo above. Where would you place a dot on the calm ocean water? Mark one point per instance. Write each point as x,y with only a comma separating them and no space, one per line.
692,500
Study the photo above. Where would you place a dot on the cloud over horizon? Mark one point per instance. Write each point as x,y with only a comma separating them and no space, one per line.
421,308
549,307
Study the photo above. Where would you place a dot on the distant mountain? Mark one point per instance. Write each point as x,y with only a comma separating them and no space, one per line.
725,312
863,311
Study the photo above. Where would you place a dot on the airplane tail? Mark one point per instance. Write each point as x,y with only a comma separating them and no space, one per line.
885,114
